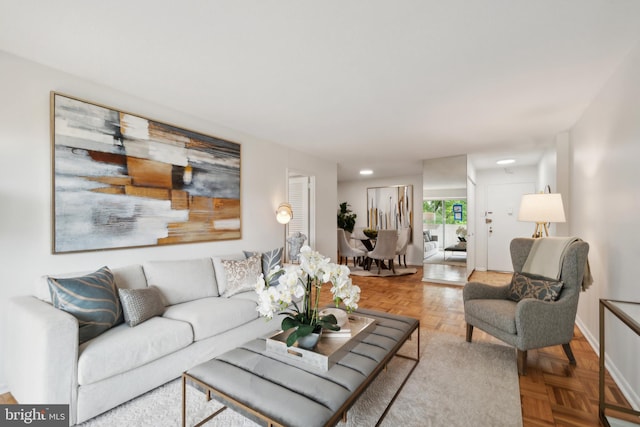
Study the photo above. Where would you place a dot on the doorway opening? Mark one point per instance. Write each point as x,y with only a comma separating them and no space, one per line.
301,196
445,232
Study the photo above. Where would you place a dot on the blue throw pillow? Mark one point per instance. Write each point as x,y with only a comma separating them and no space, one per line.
270,259
93,299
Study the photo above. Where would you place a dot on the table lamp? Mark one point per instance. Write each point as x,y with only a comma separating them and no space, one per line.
541,208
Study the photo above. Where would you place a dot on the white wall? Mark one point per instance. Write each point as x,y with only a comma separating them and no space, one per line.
604,206
472,219
355,193
484,178
563,179
25,184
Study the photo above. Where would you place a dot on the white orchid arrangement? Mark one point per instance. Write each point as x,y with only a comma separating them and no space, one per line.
302,283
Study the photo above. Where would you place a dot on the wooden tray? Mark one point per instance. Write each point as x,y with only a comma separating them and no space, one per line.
330,348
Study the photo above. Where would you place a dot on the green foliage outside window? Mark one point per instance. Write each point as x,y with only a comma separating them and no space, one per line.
437,207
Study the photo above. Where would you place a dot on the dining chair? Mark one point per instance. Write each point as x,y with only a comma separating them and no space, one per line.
404,235
385,248
346,250
359,238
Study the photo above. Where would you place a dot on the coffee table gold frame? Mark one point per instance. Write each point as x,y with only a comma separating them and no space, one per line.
339,415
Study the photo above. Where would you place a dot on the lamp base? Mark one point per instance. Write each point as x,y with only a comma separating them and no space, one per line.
540,228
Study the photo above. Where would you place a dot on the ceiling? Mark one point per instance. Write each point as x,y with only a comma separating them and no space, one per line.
365,83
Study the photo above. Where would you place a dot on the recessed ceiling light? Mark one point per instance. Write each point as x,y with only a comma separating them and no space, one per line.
505,161
366,172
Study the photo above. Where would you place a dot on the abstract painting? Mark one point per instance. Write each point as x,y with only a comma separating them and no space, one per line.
390,207
121,181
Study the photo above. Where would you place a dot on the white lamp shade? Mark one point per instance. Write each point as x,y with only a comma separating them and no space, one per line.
542,207
284,213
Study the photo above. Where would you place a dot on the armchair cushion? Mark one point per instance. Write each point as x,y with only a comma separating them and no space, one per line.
532,286
501,313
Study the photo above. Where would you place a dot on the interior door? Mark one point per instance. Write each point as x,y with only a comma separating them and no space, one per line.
502,225
301,197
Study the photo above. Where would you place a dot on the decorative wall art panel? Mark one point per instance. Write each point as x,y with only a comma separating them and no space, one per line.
121,180
390,207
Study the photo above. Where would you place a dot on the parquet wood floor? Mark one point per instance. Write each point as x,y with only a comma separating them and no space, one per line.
553,393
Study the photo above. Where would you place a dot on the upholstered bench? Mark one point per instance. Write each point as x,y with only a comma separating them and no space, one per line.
268,390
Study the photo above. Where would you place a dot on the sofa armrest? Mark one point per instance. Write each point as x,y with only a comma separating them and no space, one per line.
476,290
41,353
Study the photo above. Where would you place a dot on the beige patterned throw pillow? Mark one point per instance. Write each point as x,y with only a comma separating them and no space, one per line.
241,274
532,286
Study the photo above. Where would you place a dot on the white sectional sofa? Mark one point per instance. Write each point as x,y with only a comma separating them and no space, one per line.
47,365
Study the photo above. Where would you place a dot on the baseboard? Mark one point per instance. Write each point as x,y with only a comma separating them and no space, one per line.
628,391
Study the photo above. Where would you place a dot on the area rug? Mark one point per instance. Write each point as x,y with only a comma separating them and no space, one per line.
455,384
359,271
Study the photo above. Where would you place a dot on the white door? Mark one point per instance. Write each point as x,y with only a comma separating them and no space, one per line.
301,197
502,225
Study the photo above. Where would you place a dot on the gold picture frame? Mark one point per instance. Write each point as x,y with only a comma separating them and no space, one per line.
122,180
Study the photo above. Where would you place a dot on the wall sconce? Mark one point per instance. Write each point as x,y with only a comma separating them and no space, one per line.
541,208
284,213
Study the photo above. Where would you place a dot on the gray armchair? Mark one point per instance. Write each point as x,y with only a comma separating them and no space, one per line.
529,323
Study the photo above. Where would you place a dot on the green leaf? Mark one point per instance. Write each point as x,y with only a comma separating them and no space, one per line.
329,318
292,338
288,323
328,325
301,331
304,330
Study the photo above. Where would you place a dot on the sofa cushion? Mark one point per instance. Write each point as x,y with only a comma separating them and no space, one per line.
242,275
532,286
270,260
93,299
183,280
130,277
121,349
212,316
139,305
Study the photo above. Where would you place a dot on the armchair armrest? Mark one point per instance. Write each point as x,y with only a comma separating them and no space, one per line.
546,323
41,352
477,290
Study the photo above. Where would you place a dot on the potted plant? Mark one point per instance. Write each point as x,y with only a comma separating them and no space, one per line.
304,281
346,218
